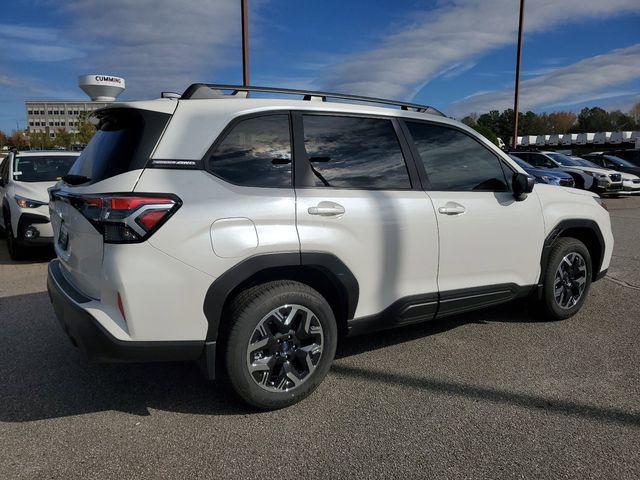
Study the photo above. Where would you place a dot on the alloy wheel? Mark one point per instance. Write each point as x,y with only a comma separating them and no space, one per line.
285,348
570,280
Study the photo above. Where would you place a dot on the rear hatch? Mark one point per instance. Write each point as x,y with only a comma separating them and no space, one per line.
91,204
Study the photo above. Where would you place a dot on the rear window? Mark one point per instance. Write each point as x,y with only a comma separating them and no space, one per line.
42,168
124,141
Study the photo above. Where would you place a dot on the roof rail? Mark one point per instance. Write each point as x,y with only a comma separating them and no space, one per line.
213,90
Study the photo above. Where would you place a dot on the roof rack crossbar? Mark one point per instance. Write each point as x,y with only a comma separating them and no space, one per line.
211,90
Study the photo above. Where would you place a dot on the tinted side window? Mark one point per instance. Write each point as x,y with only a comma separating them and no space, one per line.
455,161
354,152
255,153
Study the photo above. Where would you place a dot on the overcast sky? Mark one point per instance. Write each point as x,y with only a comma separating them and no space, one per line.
457,55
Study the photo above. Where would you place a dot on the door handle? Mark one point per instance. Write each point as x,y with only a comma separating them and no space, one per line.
452,208
326,209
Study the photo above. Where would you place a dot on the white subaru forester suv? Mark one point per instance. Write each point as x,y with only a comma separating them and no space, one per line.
251,233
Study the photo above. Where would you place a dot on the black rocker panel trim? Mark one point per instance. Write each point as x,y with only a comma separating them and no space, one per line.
405,311
557,231
430,306
224,285
463,300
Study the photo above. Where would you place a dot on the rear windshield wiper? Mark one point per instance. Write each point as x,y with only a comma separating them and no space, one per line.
75,179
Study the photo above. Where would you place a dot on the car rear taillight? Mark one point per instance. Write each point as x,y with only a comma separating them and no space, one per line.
124,218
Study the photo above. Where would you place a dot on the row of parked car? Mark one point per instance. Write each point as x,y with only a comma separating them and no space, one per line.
26,176
598,172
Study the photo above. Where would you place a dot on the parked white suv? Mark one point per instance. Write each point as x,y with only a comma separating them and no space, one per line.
25,177
249,234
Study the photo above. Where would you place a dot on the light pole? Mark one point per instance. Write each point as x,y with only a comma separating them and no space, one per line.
517,92
245,43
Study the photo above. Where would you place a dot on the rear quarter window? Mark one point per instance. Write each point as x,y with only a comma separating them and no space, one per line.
124,142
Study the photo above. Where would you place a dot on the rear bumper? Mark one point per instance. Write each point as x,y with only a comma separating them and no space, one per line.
95,341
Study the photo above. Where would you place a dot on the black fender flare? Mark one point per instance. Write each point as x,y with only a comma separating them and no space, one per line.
327,263
557,231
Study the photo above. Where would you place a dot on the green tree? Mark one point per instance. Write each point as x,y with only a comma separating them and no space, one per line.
4,140
40,141
64,139
486,132
86,129
593,119
531,124
490,120
469,121
621,121
635,114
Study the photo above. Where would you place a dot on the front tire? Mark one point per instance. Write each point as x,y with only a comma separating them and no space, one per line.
280,345
16,251
567,279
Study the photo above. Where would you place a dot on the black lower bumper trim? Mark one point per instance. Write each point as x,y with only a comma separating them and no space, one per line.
27,219
96,342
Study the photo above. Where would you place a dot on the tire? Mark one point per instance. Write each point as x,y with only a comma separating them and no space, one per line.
16,251
565,289
260,318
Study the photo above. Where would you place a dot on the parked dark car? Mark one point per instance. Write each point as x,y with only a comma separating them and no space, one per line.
629,154
545,175
612,162
540,160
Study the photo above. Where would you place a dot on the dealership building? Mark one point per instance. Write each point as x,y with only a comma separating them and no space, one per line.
55,115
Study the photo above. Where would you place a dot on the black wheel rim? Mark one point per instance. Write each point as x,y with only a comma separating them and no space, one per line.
570,280
285,348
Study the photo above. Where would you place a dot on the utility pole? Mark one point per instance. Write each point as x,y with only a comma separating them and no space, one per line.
519,58
245,44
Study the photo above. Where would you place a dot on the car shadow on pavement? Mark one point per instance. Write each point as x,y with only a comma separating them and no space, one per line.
518,311
43,376
40,254
494,395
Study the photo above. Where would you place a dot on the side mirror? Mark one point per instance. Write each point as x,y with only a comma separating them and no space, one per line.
522,184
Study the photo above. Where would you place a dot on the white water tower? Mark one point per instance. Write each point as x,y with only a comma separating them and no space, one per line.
101,88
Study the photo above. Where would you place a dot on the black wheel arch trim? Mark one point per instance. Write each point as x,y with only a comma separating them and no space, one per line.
223,286
557,232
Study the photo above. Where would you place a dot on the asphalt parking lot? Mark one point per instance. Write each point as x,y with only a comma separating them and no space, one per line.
494,394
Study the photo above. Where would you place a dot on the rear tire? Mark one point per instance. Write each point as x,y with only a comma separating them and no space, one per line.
567,279
280,344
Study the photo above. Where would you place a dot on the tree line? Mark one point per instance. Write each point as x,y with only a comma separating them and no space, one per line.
500,124
63,140
492,125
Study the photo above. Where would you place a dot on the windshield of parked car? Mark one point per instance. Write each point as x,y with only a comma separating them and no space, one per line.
586,163
620,162
41,168
563,159
520,162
